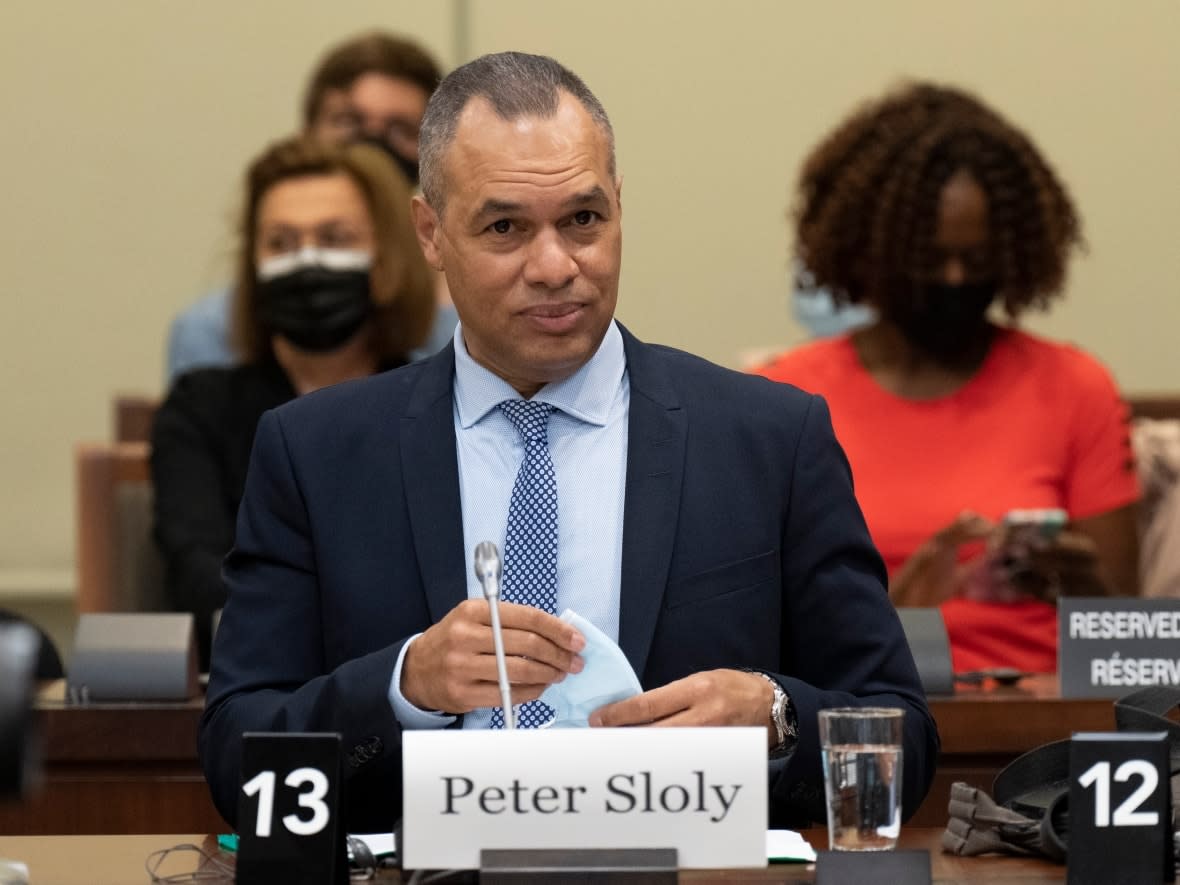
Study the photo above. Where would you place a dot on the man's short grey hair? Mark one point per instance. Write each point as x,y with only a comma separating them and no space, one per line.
516,85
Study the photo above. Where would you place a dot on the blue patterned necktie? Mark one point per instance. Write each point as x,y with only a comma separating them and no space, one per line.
530,544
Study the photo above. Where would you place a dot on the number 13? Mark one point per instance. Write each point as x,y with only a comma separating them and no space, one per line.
263,784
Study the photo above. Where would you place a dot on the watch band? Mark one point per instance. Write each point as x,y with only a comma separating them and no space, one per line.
782,715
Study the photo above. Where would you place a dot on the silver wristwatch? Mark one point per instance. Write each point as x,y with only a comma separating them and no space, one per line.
783,717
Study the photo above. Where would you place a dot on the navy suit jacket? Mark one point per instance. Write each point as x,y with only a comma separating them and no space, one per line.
743,546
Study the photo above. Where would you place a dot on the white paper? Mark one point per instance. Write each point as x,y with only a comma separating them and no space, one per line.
788,845
381,844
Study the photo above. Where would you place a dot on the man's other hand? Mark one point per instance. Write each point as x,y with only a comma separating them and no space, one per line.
714,697
452,666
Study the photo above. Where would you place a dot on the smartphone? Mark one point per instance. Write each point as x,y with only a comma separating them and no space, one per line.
1022,533
1033,526
1023,530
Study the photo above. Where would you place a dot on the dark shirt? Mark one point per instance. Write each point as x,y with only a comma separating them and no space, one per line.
201,442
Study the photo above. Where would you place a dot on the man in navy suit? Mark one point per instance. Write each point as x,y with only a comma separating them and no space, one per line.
706,519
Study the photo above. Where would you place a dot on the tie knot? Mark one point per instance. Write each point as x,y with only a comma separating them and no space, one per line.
531,419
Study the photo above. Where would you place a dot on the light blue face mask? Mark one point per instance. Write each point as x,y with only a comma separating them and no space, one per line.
814,309
819,314
607,677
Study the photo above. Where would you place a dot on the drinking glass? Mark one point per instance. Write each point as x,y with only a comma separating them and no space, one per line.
862,776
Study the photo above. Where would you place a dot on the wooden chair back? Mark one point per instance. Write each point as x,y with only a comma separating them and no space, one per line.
119,567
1159,406
133,417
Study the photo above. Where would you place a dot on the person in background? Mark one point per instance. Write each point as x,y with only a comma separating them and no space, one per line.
331,285
639,486
371,88
932,209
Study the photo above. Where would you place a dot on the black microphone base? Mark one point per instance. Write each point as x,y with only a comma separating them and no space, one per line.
633,866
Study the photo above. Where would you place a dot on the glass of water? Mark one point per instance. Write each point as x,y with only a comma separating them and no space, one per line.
862,776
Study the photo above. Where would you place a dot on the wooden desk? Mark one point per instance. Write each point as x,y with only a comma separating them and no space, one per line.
983,728
132,768
119,860
115,768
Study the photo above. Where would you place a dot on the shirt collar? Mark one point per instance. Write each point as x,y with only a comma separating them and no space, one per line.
586,395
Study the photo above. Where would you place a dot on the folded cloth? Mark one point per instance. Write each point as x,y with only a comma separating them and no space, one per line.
978,825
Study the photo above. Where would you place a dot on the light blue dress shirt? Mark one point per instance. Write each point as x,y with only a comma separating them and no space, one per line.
588,445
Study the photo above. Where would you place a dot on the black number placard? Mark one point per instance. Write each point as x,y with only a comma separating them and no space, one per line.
288,811
1119,809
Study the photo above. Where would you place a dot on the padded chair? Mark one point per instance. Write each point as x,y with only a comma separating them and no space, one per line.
119,567
133,416
48,659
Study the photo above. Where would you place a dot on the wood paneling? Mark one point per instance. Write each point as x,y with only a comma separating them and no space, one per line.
132,768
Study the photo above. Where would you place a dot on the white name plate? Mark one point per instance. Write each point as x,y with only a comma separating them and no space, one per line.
701,791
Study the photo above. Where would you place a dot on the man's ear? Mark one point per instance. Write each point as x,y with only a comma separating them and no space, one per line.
619,192
428,229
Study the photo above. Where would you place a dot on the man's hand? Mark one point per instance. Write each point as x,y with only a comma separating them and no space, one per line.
452,666
714,697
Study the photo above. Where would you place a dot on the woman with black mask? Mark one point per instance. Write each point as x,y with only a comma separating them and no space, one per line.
331,285
931,208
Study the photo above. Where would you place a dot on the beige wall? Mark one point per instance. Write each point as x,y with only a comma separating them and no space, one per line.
716,103
127,126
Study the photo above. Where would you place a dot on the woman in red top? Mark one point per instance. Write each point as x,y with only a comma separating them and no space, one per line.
930,207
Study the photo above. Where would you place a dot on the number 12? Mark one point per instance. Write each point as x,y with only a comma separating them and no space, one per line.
1126,814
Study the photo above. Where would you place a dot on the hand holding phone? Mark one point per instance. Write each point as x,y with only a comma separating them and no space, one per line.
1031,529
1013,566
933,573
1041,556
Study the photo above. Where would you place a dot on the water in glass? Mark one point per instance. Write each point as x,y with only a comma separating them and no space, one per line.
863,786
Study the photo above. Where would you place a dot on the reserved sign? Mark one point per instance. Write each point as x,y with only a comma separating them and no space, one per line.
1110,647
701,791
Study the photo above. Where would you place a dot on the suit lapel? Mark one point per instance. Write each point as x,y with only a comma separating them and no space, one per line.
656,438
430,476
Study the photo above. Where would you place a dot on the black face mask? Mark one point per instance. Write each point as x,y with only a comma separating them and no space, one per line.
315,308
944,321
407,167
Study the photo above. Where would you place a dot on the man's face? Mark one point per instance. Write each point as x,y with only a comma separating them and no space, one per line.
530,240
375,106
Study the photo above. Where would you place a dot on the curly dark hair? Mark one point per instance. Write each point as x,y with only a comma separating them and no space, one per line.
869,192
